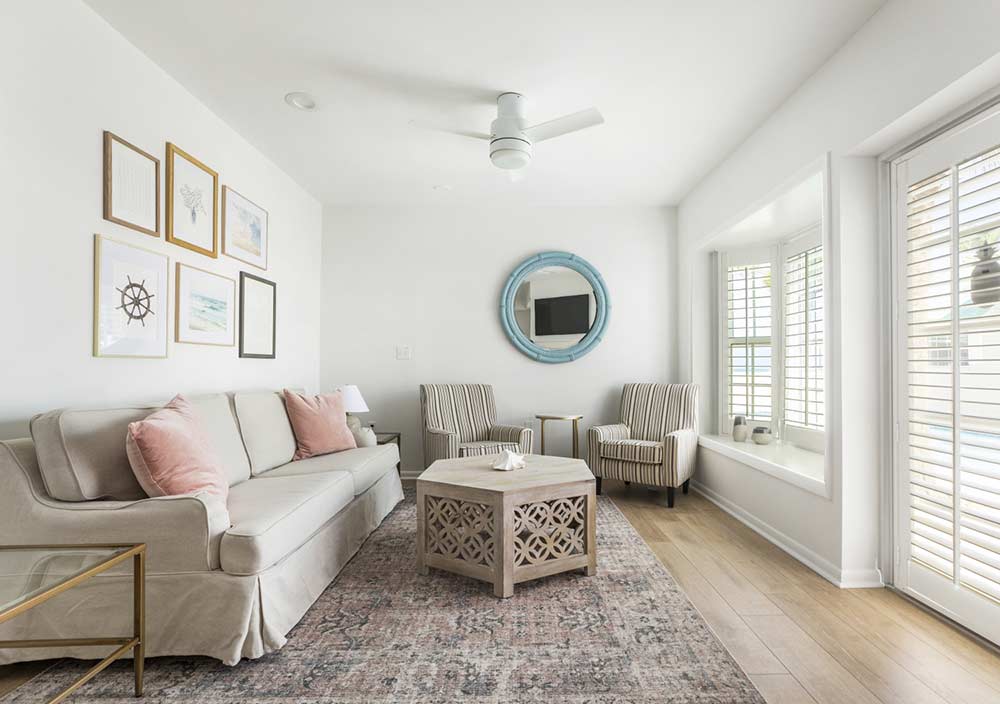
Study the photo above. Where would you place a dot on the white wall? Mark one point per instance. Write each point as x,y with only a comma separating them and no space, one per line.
66,76
885,77
431,278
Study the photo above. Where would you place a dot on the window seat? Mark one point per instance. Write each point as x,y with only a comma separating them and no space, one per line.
803,468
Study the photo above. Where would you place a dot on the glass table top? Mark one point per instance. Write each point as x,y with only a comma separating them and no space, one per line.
26,572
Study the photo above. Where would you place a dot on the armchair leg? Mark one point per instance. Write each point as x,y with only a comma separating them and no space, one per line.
628,483
598,485
670,497
685,485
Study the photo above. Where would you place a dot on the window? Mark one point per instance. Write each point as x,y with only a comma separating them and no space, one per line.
773,339
749,342
804,339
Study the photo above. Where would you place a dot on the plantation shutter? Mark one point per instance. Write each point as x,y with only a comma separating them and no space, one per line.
804,339
749,362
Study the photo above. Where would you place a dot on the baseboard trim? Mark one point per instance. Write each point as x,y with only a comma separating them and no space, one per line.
848,579
410,475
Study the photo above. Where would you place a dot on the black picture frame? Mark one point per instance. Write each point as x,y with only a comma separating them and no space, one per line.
274,316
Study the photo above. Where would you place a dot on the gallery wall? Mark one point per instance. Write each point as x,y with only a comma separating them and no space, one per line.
431,278
67,76
875,91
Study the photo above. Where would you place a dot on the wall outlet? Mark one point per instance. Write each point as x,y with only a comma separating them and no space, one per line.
404,352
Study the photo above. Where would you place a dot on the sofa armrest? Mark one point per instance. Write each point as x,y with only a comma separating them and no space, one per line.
524,437
182,533
600,433
680,453
439,444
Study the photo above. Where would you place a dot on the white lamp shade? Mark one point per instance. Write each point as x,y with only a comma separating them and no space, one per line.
354,402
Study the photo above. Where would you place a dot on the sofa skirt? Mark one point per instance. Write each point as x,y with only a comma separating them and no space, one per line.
223,616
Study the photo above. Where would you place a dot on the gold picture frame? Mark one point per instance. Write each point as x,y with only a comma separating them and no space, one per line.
110,140
192,199
184,332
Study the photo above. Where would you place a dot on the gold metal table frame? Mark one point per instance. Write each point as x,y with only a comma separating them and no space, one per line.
136,642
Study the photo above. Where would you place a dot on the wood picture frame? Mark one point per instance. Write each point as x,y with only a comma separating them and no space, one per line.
243,221
128,172
200,322
119,302
190,186
257,312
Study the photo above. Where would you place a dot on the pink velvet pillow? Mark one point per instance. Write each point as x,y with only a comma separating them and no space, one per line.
170,454
319,424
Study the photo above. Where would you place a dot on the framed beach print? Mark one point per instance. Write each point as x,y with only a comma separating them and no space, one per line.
258,307
244,229
205,312
192,203
130,300
131,186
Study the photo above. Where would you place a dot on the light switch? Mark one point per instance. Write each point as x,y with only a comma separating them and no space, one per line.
404,352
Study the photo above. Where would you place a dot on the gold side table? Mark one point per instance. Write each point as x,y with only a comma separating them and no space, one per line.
575,417
32,574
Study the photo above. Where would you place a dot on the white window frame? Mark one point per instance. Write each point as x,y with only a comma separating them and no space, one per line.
775,255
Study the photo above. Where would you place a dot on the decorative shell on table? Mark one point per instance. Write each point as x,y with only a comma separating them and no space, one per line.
509,460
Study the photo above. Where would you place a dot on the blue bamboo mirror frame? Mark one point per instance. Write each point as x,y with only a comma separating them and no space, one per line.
601,299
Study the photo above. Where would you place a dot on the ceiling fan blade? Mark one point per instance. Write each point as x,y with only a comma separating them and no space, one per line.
564,125
448,130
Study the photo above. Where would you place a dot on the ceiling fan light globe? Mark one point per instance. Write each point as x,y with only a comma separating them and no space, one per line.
510,159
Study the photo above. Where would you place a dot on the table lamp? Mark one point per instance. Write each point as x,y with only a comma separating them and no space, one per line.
354,402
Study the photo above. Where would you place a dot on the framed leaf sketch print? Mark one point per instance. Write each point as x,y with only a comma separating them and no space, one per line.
131,186
192,203
205,311
258,308
130,300
244,229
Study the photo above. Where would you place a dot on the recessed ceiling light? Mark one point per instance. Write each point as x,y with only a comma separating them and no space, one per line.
301,101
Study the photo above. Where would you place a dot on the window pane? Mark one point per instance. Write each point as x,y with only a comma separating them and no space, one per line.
749,324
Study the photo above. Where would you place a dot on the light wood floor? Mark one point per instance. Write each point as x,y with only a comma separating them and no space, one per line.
799,638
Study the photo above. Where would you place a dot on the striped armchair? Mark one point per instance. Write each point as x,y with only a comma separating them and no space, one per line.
656,441
460,421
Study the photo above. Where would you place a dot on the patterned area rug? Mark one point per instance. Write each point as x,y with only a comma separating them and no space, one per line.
381,633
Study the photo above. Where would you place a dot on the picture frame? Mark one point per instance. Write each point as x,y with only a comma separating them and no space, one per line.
245,233
131,186
190,222
258,317
131,300
205,307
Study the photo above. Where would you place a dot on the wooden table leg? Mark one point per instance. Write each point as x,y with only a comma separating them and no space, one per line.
591,568
503,541
541,428
421,530
576,439
139,618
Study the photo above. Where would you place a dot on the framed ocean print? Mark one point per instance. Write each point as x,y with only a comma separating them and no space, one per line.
131,295
131,186
205,312
258,310
244,229
192,203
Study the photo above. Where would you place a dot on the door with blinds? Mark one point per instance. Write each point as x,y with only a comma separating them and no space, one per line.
946,221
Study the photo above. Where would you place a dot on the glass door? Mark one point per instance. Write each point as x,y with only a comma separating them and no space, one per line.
946,221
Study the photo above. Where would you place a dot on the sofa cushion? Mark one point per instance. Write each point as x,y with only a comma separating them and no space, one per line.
479,448
266,431
366,465
81,453
642,451
218,423
272,516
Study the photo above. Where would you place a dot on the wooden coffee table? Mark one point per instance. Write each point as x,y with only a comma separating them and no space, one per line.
506,527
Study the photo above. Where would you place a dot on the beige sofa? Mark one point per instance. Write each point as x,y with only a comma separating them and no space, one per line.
224,579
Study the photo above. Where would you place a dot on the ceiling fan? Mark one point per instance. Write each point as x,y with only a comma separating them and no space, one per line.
511,140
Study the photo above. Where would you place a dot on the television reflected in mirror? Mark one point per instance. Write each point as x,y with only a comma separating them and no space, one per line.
555,307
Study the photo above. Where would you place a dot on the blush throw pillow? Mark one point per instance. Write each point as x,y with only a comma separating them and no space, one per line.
319,424
170,455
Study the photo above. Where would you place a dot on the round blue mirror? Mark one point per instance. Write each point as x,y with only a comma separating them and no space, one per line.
555,307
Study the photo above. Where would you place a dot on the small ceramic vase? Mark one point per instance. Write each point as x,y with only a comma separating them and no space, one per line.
762,435
740,429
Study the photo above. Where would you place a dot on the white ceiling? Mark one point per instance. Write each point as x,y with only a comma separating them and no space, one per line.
680,83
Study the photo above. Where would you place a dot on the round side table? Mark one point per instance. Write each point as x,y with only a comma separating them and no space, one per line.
575,417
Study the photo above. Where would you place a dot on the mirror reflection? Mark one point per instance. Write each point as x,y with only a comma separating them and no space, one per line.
555,307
